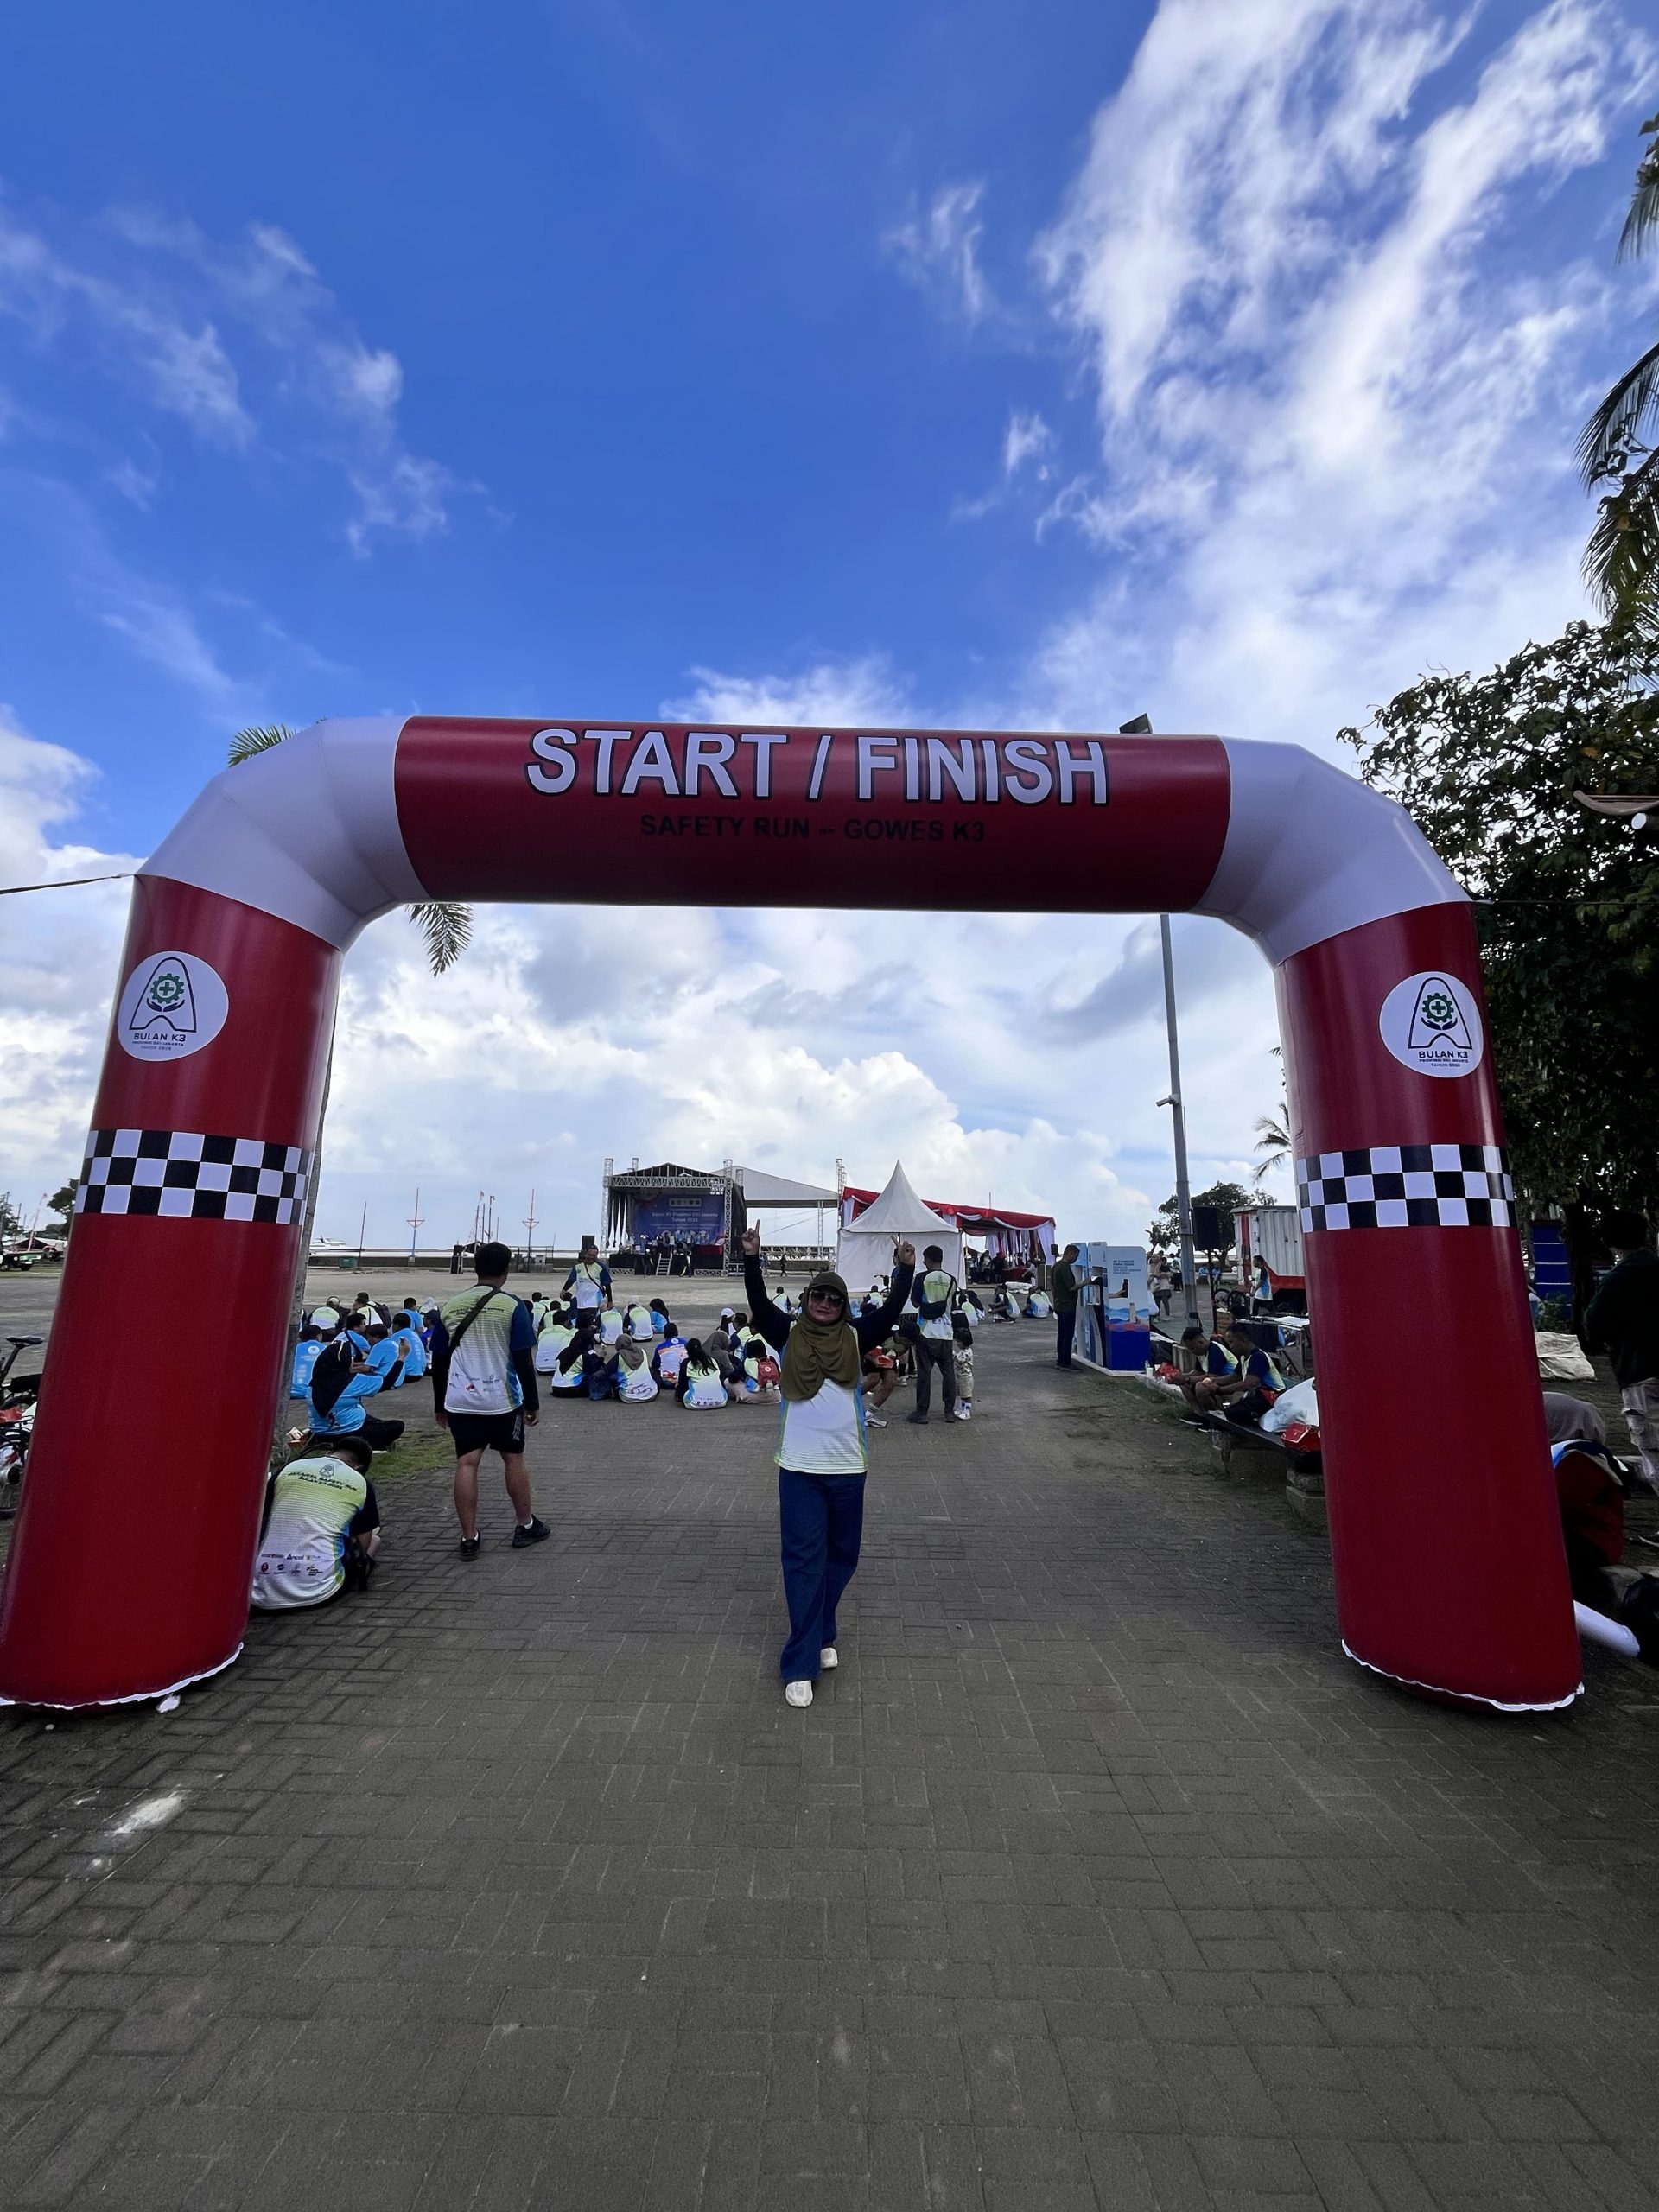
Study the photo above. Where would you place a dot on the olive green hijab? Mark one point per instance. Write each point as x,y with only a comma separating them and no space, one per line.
816,1353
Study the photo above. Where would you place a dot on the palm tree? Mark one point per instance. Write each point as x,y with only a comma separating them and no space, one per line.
1616,446
1273,1139
447,927
445,924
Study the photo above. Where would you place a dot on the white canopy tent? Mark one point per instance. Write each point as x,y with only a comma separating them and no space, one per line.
864,1249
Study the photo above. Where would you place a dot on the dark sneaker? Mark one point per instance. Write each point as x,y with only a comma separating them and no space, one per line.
538,1532
468,1547
917,1421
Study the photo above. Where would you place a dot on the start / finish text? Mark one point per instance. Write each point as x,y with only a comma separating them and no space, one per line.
712,764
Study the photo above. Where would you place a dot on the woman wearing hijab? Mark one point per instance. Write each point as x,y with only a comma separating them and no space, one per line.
823,1454
634,1380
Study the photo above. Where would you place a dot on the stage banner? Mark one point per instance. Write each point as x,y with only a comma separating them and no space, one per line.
698,1216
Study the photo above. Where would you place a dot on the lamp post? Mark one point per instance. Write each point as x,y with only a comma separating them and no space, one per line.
1141,727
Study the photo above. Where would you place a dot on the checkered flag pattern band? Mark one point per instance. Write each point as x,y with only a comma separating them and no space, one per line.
1407,1186
188,1177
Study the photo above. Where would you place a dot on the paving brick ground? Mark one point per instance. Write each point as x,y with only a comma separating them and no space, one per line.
1095,1877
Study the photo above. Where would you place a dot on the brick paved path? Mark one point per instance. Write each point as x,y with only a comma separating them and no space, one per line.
1096,1878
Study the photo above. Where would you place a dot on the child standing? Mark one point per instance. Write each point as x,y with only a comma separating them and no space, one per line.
962,1349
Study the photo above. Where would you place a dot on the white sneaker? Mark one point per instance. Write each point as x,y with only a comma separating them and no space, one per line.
875,1420
829,1657
797,1692
964,1413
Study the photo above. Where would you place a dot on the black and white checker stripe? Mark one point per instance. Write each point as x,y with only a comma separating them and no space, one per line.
184,1175
1407,1186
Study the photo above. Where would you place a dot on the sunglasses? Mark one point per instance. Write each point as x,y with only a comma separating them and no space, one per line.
827,1297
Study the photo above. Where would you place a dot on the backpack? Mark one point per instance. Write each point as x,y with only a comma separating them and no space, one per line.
931,1309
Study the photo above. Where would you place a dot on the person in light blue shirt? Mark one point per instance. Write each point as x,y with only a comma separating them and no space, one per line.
385,1357
339,1383
307,1352
406,1331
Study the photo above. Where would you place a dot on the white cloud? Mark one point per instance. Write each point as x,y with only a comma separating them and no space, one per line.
863,692
937,249
242,341
1028,438
1336,393
58,954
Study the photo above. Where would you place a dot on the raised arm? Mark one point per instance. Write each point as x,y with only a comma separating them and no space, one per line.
872,1327
772,1323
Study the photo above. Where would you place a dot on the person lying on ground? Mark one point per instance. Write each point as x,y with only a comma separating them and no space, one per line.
823,1455
484,1392
321,1528
701,1387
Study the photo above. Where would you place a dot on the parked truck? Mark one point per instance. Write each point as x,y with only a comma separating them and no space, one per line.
1270,1237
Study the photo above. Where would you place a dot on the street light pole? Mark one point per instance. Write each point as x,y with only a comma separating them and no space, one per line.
1141,727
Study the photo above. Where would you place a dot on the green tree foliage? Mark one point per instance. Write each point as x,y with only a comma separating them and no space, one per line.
1618,447
1164,1230
1569,923
11,1222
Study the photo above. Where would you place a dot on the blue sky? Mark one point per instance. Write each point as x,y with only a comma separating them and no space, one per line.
1014,365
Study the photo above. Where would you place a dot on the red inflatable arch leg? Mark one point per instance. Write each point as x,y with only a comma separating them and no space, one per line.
129,1565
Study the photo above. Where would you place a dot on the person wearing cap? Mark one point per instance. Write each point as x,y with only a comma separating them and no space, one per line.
823,1455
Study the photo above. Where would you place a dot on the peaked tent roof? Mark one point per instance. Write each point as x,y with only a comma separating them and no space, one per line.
899,1213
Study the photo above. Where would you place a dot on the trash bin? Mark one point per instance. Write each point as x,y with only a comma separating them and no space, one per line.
1127,1348
348,1260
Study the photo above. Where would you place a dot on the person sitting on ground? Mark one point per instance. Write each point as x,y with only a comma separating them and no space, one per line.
661,1323
669,1358
700,1387
339,1383
412,1341
573,1359
1038,1304
611,1324
555,1331
1591,1499
385,1357
639,1322
484,1392
1259,1377
1234,1368
1623,1319
590,1279
1001,1305
307,1350
635,1382
321,1528
961,1345
723,1347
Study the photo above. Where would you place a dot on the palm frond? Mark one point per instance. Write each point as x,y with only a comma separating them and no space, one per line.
448,928
1619,424
258,737
1621,563
1641,223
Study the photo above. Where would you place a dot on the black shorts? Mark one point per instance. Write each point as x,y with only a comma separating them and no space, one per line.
502,1432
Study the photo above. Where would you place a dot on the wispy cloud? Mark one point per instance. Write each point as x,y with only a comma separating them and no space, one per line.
844,694
937,249
242,341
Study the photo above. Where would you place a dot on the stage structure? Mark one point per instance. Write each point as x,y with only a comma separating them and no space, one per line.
710,1211
132,1550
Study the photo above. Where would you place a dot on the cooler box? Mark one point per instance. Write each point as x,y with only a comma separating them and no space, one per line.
1126,1348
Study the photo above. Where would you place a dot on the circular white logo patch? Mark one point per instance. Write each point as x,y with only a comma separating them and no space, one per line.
1431,1022
172,1005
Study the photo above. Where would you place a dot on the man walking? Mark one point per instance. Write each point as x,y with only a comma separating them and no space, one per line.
1624,1317
936,1346
484,1392
1063,1295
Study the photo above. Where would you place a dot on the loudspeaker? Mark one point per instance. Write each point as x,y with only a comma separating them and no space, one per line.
1206,1229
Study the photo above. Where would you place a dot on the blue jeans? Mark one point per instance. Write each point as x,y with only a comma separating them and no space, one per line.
821,1520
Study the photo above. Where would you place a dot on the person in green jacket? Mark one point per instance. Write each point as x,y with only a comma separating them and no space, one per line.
1063,1290
1624,1318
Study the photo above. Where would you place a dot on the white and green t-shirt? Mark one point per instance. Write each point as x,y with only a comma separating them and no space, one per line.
315,1504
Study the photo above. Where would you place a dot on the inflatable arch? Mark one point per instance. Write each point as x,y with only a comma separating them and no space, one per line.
130,1558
